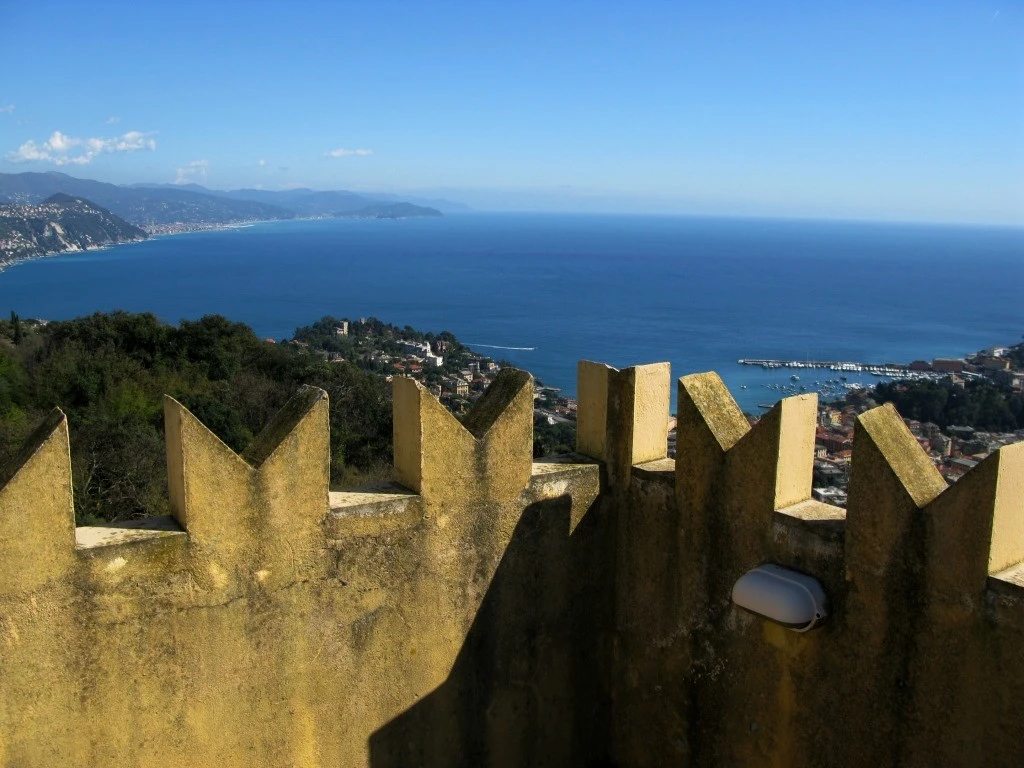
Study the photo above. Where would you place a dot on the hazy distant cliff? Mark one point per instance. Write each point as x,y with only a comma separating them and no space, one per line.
58,224
391,211
156,209
160,208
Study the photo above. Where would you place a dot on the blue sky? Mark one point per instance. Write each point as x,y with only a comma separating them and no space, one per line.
886,110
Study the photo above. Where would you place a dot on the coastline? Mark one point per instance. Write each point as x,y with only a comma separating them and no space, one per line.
18,260
190,229
193,228
151,235
620,290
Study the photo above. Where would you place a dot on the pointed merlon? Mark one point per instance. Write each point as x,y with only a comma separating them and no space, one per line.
1007,538
764,469
494,402
891,480
708,424
280,484
774,461
37,518
786,433
284,424
492,451
408,403
707,406
886,433
592,408
200,466
976,527
647,390
623,415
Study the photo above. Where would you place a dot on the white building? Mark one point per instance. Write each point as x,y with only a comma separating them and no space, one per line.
420,348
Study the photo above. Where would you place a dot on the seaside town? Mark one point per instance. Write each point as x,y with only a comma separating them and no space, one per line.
458,376
954,448
453,372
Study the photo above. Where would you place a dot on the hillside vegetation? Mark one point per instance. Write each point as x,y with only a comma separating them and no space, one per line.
109,373
978,404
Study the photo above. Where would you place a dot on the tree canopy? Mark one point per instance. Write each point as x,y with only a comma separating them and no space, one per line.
979,403
109,373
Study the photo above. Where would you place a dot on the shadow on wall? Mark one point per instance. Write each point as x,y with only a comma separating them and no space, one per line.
530,683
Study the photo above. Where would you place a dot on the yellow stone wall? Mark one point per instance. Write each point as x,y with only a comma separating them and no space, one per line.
921,662
486,609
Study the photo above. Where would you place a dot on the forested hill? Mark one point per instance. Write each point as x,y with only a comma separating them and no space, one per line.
980,404
58,224
109,373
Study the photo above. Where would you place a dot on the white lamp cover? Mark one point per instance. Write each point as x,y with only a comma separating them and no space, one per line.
787,597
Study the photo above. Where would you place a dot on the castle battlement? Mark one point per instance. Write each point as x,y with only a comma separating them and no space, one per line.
488,609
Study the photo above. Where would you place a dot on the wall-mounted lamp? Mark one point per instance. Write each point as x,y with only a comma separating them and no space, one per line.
790,598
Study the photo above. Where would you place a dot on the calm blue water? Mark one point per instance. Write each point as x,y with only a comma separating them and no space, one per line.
620,289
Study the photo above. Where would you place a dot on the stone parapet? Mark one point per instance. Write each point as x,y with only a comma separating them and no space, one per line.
487,609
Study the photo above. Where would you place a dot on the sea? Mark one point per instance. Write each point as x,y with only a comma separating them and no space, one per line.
545,290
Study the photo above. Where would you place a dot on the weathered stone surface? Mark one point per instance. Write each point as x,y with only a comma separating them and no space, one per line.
439,458
489,610
623,415
37,518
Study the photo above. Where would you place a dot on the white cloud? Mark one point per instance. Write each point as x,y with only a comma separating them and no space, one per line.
61,149
193,171
113,119
6,109
63,143
132,141
343,152
261,163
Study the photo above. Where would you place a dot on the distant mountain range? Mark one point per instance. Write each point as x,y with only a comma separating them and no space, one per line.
161,208
58,224
153,209
390,211
310,202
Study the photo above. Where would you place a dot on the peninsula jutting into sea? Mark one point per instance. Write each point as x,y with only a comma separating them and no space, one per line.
33,223
59,224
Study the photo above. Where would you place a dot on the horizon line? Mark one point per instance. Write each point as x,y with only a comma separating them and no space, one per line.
795,217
